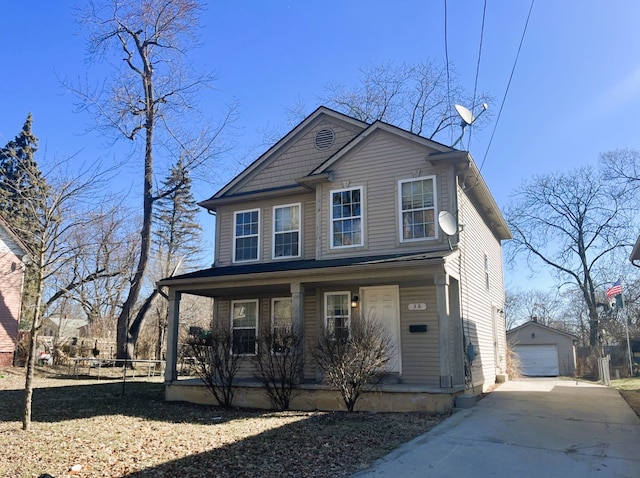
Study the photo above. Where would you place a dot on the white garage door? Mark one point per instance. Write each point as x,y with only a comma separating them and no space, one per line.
538,360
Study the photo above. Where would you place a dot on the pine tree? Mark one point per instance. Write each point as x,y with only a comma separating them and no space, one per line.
177,234
23,202
176,240
23,189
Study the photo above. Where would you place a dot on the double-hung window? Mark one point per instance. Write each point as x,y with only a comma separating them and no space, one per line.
246,235
281,323
346,217
337,311
417,200
286,231
244,324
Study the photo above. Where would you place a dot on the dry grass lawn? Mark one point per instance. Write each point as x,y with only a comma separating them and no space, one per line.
109,431
629,388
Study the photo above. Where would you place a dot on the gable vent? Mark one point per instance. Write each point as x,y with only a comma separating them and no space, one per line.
324,138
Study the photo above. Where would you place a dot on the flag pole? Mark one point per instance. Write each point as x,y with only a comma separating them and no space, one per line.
626,328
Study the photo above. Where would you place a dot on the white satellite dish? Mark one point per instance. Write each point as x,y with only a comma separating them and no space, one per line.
467,118
447,223
465,114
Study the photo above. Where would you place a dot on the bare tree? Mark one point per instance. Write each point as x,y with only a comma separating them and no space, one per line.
278,364
61,262
418,98
215,363
357,363
540,306
572,223
114,247
146,99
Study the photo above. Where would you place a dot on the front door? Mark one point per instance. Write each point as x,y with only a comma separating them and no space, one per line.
382,303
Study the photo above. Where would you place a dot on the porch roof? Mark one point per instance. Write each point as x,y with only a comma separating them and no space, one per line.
305,270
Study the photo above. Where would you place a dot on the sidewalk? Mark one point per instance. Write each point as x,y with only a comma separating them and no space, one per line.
527,428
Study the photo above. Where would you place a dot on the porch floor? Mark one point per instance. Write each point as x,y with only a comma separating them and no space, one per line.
385,397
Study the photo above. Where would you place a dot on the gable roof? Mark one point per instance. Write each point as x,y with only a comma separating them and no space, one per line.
473,183
365,134
298,130
533,324
14,237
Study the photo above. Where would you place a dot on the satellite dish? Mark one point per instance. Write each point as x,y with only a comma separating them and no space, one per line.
447,223
465,114
467,118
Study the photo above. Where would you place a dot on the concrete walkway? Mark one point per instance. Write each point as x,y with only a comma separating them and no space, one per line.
537,428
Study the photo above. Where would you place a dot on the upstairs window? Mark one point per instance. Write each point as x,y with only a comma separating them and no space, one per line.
286,231
246,235
244,323
417,208
337,307
346,217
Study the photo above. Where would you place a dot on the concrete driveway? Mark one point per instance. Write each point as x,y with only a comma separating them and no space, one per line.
527,428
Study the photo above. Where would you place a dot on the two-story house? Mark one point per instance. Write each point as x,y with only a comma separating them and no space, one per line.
339,220
13,254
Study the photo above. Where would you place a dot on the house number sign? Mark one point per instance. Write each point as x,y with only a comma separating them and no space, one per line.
418,306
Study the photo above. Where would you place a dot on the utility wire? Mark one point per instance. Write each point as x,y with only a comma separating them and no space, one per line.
504,98
475,84
446,56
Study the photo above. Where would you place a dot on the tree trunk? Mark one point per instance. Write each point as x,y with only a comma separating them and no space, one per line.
28,385
31,359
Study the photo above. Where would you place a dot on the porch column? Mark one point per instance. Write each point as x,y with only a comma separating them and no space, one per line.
297,316
444,327
171,370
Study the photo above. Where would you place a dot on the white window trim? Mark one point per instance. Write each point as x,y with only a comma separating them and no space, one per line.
255,327
362,227
326,312
235,224
273,231
435,209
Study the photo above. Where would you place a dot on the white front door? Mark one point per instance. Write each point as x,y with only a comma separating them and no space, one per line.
382,303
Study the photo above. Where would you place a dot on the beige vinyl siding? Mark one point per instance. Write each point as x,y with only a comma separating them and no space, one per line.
420,351
300,158
479,305
376,167
312,328
225,221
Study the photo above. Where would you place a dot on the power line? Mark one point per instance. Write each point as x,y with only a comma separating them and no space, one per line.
446,56
504,98
475,84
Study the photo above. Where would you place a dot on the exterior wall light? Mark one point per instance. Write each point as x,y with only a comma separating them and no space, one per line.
354,301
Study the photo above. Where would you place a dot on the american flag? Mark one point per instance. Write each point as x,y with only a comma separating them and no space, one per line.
616,289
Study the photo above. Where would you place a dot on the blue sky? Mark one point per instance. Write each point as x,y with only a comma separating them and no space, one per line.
575,92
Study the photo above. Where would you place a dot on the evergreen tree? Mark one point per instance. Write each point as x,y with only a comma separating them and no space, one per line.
176,240
23,202
177,233
23,189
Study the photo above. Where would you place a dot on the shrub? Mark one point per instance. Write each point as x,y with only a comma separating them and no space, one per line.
215,364
357,363
278,365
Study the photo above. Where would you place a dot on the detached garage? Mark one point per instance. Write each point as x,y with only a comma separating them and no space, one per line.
543,351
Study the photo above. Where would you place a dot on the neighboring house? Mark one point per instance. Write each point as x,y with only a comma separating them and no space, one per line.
339,220
543,351
64,327
13,254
